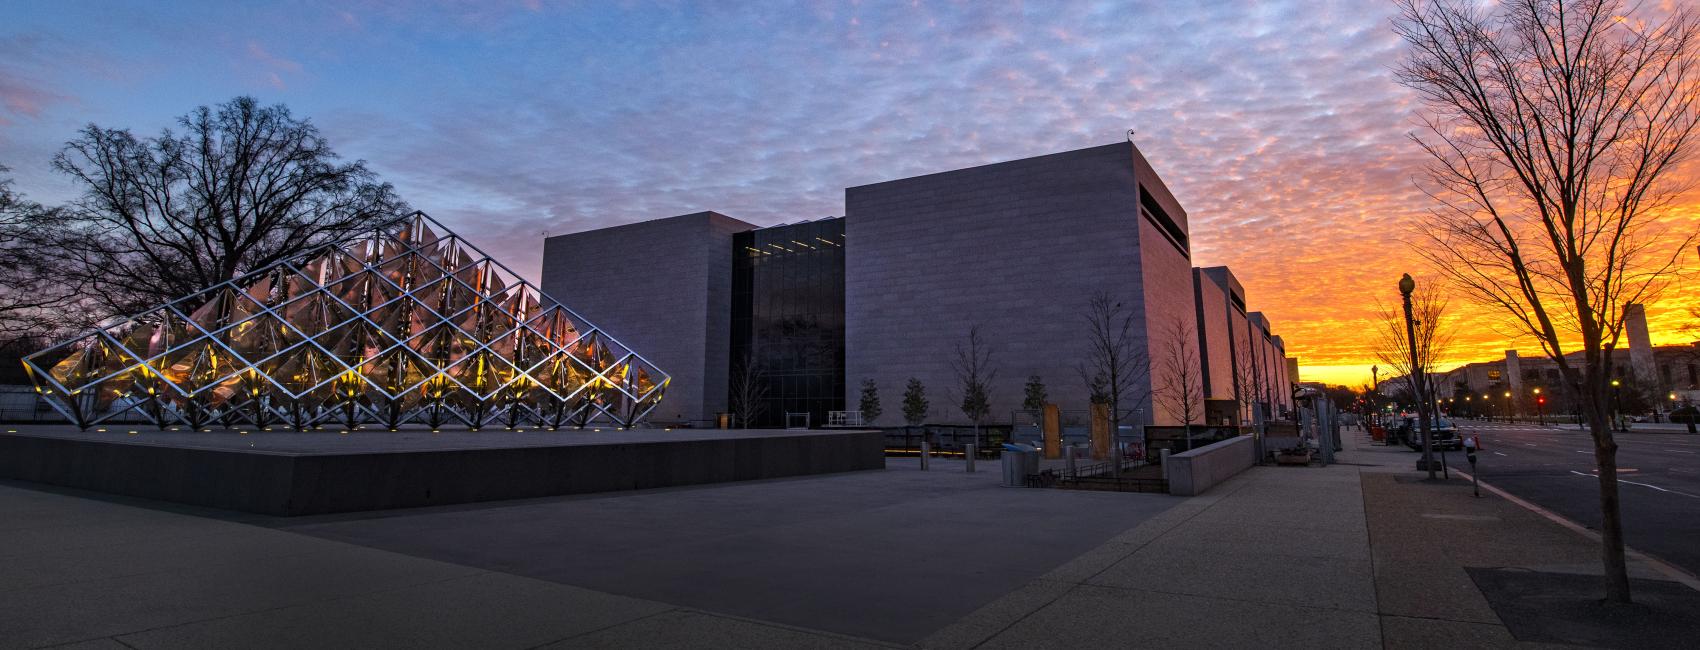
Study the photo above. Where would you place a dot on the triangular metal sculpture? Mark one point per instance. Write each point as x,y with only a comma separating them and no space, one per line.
411,325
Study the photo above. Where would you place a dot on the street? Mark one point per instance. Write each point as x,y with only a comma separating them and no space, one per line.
1553,467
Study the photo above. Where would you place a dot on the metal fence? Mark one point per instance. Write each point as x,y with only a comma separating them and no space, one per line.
1109,475
946,439
21,405
1027,427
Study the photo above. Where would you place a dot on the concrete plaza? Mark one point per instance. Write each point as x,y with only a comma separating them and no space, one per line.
1358,554
883,556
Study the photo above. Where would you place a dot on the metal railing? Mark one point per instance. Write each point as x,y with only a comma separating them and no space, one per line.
844,418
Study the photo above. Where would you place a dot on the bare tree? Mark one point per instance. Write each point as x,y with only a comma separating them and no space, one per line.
749,389
241,187
1552,131
975,372
1434,333
1182,388
1116,368
29,291
1248,386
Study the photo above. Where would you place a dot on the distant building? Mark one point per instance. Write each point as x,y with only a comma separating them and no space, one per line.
888,291
1660,375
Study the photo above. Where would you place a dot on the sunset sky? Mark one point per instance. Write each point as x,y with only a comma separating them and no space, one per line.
1278,126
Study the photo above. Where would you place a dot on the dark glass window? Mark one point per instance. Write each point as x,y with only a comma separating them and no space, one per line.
788,316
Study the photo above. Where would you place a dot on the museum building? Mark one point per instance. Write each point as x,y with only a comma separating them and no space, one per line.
808,311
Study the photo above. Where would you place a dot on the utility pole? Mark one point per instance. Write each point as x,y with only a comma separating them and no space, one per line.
1406,286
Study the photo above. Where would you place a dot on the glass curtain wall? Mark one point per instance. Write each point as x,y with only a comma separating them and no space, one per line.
788,318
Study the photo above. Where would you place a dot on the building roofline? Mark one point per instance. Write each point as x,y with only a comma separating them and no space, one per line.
1059,154
708,214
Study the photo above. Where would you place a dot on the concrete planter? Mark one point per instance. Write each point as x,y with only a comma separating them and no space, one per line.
1293,458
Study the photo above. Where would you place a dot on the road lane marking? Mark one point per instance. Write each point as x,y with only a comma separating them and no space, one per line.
1499,453
1648,485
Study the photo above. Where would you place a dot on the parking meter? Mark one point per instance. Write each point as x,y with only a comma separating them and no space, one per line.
1471,444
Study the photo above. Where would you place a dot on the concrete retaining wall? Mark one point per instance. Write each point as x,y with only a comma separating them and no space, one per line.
285,484
1193,472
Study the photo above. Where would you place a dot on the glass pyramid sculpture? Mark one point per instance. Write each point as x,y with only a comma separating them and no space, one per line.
411,325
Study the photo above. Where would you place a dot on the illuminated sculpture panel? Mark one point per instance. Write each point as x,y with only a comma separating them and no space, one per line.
411,325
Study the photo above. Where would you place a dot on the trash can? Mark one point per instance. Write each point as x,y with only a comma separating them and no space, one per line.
1019,462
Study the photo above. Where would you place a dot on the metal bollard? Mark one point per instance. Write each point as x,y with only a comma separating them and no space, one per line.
1069,454
968,453
926,453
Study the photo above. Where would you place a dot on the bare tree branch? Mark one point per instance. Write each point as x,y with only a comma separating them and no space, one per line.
243,186
1551,129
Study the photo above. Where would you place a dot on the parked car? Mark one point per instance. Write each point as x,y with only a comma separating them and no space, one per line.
1442,432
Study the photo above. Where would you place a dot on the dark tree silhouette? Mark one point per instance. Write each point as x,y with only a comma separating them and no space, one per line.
870,403
240,187
915,404
1034,397
29,291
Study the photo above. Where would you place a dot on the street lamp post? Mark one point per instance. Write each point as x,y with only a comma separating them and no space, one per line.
1375,391
1510,412
1617,406
1406,286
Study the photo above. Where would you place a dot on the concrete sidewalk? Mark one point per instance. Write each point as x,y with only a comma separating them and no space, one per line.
1360,554
1276,557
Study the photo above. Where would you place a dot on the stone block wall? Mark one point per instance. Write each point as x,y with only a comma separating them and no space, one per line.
663,288
1015,248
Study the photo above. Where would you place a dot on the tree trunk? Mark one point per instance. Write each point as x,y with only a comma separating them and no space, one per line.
1611,519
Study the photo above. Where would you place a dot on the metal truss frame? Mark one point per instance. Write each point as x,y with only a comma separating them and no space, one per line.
409,325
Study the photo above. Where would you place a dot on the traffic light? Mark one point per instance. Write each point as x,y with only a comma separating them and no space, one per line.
1541,400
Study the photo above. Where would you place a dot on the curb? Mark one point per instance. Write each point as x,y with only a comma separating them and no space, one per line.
1675,573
